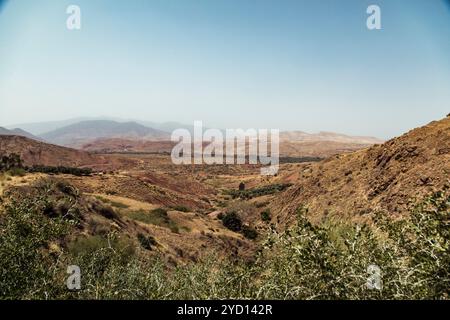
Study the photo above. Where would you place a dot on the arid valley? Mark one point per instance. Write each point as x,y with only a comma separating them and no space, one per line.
224,159
130,191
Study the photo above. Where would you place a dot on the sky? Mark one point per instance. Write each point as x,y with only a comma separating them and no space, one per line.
284,64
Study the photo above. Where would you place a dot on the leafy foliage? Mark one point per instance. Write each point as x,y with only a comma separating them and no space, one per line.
8,162
29,246
249,232
307,261
61,170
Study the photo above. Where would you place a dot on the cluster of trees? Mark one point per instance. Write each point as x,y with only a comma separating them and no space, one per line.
61,170
233,222
13,162
242,193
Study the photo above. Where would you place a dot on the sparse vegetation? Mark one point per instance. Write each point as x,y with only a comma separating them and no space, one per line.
299,159
181,208
105,210
158,217
16,172
84,246
232,221
307,261
115,204
249,232
257,192
302,263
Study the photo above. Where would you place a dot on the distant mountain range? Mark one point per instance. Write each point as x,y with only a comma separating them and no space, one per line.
38,128
17,132
78,134
112,134
41,128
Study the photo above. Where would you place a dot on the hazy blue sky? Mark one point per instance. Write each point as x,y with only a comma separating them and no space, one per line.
307,65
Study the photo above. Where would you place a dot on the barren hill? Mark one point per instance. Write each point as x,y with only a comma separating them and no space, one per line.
35,152
320,149
383,177
300,136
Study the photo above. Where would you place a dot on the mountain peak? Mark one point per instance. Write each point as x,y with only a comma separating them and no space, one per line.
17,132
80,133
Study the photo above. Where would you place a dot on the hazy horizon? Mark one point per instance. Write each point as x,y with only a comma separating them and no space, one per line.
291,65
147,123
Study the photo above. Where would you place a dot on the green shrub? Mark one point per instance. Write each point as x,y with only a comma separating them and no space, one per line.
249,232
158,217
66,188
265,215
119,205
115,204
86,246
61,170
105,210
146,242
258,192
232,221
19,172
26,268
10,162
181,208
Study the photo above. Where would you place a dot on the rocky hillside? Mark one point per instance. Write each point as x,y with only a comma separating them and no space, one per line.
383,177
35,152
